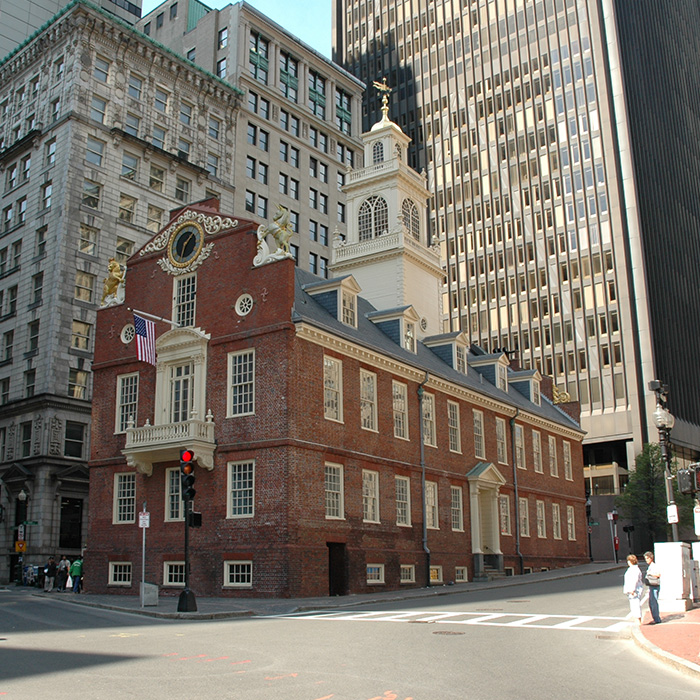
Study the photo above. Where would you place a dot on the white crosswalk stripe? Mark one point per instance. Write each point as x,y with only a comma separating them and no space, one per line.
587,623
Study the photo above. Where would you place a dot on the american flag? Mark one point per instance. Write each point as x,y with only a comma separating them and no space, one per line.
145,339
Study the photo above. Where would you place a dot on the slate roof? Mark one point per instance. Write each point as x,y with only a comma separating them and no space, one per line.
367,334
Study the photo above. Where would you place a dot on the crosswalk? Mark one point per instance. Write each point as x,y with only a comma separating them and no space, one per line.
587,623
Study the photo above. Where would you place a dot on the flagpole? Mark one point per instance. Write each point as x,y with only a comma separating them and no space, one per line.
174,324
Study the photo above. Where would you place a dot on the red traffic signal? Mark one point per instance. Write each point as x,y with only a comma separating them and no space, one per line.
186,456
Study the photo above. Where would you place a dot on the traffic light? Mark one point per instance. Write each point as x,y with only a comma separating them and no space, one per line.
695,469
187,474
687,479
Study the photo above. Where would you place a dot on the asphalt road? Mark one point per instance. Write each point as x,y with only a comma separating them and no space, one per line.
561,640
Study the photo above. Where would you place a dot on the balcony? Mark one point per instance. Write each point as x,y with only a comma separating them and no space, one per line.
162,443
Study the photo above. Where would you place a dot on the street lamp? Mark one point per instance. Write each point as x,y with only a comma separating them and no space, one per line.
664,422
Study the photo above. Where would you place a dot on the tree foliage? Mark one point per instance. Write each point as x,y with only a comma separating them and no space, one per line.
644,498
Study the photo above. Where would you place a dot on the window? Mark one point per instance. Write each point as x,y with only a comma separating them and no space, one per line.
50,152
258,57
334,488
26,438
456,509
400,408
501,444
375,573
124,250
46,192
377,152
431,504
238,574
11,177
241,489
537,451
436,574
370,496
84,286
214,128
519,447
40,241
161,100
289,80
553,466
504,513
80,338
317,94
429,433
127,401
568,471
241,383
570,523
213,164
24,167
523,505
173,11
332,389
181,398
262,207
159,134
182,189
4,390
368,400
120,573
403,500
101,69
98,109
556,521
173,571
77,383
343,113
408,573
7,216
127,208
541,521
124,498
7,343
373,218
174,509
157,178
349,308
135,86
154,218
453,426
11,300
223,38
91,194
479,442
75,438
221,68
183,149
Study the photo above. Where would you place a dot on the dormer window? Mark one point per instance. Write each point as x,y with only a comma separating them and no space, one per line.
378,152
536,399
502,377
349,308
461,359
409,336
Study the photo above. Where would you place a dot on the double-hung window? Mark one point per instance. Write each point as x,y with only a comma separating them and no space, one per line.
174,509
332,389
456,509
429,432
431,504
453,425
124,508
479,441
403,500
185,298
334,490
241,489
127,400
370,496
368,400
181,394
241,383
399,393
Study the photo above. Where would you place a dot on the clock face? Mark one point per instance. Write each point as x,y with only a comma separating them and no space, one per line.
185,244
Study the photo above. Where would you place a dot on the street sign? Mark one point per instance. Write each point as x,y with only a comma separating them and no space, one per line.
20,532
30,522
595,523
696,518
20,546
144,519
672,512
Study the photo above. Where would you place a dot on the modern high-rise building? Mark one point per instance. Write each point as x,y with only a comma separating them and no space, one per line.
560,139
299,122
19,19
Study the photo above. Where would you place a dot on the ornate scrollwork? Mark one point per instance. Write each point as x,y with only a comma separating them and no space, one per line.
210,224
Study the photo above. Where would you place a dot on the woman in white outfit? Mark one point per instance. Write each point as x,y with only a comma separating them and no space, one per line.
633,587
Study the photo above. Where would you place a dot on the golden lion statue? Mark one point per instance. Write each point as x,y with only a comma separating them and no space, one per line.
111,283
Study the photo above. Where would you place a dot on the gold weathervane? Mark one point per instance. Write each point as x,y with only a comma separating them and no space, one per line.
385,91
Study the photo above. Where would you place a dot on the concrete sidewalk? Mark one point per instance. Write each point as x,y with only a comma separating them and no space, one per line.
676,641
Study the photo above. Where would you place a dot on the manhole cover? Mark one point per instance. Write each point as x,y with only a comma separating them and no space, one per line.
449,633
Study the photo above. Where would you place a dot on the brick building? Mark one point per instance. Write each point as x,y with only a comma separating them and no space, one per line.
340,446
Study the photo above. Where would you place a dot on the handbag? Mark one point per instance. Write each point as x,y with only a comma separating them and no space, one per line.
652,581
69,582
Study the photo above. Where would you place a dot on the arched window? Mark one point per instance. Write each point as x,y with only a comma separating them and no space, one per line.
411,221
378,152
373,219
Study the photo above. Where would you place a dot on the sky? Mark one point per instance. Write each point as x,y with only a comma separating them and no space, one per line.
310,20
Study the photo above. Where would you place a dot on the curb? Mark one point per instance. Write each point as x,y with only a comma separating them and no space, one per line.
682,665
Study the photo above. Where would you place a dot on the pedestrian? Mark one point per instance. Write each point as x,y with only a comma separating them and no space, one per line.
76,573
633,587
62,574
50,574
653,580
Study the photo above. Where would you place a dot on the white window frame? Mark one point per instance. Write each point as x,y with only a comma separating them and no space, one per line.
348,308
173,491
123,408
520,447
370,496
505,523
524,524
501,441
118,571
571,523
334,497
457,508
375,574
556,521
553,464
241,383
541,520
124,506
454,429
170,568
568,467
399,395
403,505
461,574
332,389
368,400
429,430
243,493
537,451
479,441
436,574
432,513
185,299
407,573
501,377
245,570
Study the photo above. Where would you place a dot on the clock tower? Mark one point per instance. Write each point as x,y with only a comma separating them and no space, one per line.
387,248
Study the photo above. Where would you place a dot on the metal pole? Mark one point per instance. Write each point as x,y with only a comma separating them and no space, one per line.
426,549
187,601
665,453
143,561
